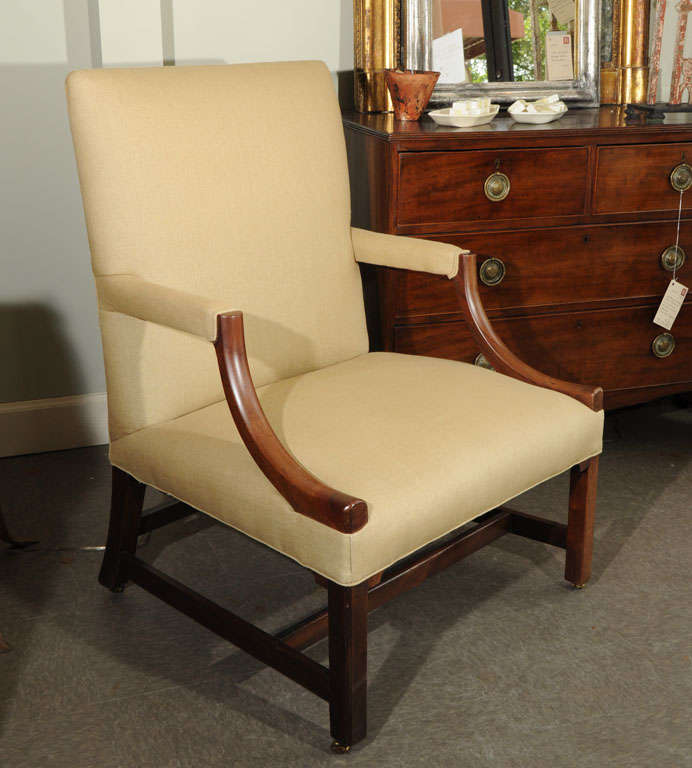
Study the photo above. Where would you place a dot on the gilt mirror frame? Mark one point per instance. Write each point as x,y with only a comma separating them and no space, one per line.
582,91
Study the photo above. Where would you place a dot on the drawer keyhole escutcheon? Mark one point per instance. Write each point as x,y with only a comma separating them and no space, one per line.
497,186
681,177
492,271
482,362
673,258
663,345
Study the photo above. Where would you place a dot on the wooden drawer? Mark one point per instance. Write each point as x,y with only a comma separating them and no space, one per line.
611,348
441,187
636,178
557,267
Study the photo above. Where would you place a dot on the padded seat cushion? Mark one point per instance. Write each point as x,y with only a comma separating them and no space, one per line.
429,444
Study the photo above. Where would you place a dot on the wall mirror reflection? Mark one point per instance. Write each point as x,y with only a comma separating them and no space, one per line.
541,37
506,49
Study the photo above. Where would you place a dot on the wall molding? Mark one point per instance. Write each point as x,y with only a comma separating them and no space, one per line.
53,424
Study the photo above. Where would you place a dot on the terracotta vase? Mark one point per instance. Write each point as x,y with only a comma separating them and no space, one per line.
411,90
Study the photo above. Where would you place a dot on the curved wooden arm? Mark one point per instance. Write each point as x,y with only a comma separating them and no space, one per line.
492,346
303,491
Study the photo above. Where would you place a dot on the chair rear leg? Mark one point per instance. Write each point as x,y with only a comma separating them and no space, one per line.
127,498
582,505
348,652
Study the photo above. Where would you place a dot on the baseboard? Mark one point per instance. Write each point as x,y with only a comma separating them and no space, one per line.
53,424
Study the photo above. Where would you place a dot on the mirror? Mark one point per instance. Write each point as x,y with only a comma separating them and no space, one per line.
505,49
541,38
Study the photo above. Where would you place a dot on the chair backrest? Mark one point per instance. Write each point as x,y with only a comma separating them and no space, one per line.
229,182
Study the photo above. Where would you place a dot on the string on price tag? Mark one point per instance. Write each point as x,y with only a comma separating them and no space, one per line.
675,294
677,235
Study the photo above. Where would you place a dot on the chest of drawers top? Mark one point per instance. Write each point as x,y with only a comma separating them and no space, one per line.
606,125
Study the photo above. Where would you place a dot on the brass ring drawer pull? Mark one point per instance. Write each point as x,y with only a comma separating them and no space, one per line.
482,362
673,258
681,177
497,186
492,271
663,345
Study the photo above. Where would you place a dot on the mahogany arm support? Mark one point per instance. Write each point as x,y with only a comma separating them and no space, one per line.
495,350
303,491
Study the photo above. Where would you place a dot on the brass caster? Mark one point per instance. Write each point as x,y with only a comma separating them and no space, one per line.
340,749
579,586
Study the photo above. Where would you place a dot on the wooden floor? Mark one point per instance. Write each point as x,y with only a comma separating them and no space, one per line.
493,662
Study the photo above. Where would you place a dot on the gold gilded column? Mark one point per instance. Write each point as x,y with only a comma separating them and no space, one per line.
634,61
625,78
375,48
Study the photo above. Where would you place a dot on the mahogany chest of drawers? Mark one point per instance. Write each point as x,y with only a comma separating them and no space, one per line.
574,224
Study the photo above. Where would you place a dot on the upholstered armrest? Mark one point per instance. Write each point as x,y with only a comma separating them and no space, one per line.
406,252
497,352
132,295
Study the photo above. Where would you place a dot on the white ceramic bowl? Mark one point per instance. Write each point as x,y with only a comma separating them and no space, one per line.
538,118
443,117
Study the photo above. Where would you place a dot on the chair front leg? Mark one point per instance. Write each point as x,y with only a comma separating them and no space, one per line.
348,653
580,523
127,497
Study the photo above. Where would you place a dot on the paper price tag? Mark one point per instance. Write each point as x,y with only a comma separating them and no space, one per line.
670,305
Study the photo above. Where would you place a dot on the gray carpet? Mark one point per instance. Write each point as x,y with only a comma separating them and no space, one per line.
495,662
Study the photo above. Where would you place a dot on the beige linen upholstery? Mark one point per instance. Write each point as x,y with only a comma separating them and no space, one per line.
139,298
185,186
406,252
428,443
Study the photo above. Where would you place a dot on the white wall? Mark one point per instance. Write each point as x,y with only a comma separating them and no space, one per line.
226,31
49,344
273,30
130,32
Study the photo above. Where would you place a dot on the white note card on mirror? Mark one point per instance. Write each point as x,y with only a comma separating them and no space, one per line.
558,56
448,57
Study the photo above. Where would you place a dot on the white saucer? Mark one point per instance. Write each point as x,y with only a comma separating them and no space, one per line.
537,118
443,117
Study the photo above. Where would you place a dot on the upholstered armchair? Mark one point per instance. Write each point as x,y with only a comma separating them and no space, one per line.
239,376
